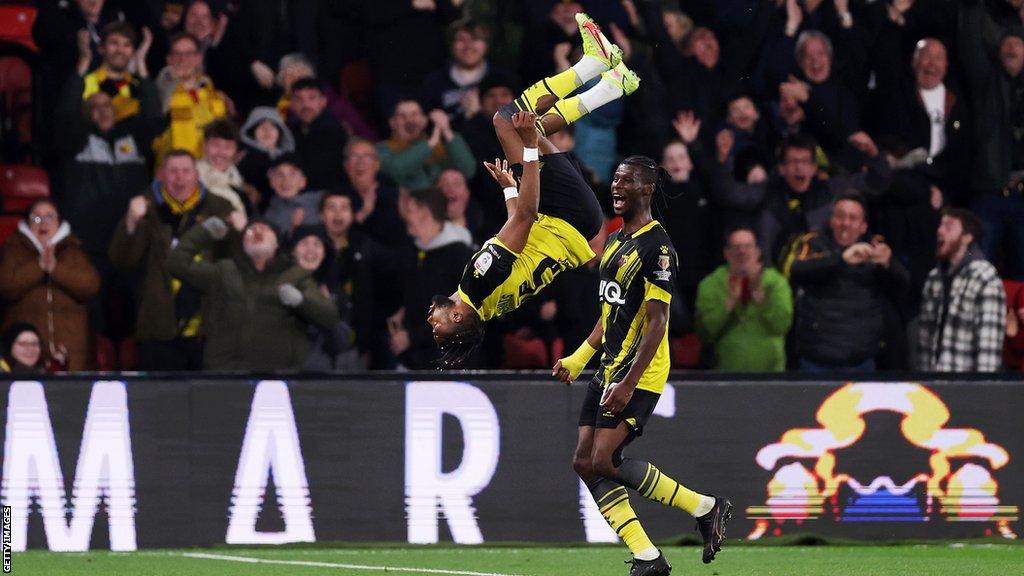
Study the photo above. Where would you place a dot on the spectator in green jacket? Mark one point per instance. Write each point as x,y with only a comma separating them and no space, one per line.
744,309
412,158
260,304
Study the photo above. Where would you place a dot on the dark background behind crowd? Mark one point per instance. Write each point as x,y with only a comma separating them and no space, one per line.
285,184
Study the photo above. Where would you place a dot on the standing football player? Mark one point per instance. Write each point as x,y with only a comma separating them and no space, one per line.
637,270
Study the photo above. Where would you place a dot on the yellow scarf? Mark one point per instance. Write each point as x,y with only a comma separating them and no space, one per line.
179,208
190,111
124,100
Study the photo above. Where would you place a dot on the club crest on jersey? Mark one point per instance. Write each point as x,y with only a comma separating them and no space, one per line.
482,264
610,292
663,262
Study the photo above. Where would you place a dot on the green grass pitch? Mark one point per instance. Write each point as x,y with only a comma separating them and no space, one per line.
738,560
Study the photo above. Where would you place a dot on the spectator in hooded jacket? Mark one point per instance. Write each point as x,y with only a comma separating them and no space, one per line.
842,278
261,304
46,280
264,138
963,304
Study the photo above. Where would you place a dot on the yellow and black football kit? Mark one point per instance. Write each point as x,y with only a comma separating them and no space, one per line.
496,280
635,269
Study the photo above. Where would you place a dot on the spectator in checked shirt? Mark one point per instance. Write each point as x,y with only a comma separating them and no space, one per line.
963,307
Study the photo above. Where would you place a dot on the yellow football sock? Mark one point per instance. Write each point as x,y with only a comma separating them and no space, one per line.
560,85
614,506
660,488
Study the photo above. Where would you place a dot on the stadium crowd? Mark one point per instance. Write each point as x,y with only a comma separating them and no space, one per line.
283,185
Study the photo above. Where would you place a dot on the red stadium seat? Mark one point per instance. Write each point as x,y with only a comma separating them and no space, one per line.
1013,349
522,353
8,224
16,25
22,185
685,351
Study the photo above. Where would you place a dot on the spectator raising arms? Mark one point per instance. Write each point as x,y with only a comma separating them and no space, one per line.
414,160
260,303
46,280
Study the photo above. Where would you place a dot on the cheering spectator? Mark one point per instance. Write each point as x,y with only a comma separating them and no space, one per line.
70,31
329,349
130,93
433,267
264,137
21,350
414,160
295,67
377,215
359,274
842,278
293,205
454,88
462,208
995,76
785,207
963,306
46,280
926,114
189,98
217,170
319,139
744,310
169,313
261,305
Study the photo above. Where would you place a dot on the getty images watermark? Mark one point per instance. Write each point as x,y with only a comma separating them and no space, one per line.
7,539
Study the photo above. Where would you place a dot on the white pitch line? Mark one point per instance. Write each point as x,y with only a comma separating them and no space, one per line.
252,560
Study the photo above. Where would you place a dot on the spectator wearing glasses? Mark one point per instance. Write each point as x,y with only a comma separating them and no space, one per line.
21,350
46,280
744,309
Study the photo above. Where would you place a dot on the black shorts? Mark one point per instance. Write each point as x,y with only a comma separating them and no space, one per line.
635,414
565,194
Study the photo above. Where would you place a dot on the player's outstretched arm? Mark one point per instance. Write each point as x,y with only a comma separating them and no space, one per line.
517,229
502,174
568,369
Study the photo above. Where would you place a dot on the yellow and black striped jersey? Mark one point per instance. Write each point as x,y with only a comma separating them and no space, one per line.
496,280
635,269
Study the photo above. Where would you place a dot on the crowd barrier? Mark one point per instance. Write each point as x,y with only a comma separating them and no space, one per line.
134,463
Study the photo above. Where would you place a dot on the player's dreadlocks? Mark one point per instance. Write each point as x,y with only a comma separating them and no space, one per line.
458,347
650,171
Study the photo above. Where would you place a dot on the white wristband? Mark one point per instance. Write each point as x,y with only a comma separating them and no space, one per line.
530,155
510,193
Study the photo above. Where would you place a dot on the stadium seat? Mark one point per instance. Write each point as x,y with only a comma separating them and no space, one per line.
22,185
523,353
1013,349
8,224
685,351
16,25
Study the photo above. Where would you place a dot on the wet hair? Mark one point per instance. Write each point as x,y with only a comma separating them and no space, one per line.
457,348
650,171
123,29
968,220
222,129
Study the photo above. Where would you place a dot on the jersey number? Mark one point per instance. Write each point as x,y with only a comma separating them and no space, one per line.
548,264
